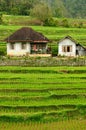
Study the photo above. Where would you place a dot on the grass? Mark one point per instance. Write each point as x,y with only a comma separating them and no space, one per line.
54,33
31,97
62,125
41,94
16,19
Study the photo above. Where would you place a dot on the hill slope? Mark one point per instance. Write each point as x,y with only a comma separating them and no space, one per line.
74,8
60,8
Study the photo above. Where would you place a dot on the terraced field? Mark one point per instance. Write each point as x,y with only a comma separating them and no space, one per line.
61,125
41,94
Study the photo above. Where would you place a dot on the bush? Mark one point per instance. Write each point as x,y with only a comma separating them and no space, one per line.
2,51
80,25
77,25
51,22
1,19
65,23
54,50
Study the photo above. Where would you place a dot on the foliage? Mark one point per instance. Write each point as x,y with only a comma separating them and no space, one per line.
51,22
2,49
41,11
59,8
3,52
1,19
76,8
80,25
65,23
54,50
17,6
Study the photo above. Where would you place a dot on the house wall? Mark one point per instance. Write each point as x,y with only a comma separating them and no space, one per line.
18,51
81,51
67,42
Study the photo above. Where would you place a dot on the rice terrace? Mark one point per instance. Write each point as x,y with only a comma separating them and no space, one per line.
43,93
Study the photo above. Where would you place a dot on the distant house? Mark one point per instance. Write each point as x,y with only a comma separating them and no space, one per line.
26,41
69,47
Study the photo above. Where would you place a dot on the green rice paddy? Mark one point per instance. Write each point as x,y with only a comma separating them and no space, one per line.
42,94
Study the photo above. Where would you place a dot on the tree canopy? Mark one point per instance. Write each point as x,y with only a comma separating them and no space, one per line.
41,11
59,8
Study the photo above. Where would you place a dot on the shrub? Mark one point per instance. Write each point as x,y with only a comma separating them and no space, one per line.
51,22
2,52
65,23
1,19
54,50
80,25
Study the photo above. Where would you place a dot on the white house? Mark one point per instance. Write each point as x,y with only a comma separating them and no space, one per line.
69,47
26,41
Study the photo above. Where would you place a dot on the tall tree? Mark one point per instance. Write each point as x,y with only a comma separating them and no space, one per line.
58,8
41,11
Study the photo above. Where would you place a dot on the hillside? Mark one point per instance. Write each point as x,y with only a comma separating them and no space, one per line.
59,8
68,8
43,93
76,8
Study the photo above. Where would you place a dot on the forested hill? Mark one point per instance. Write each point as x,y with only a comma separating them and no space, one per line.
69,8
76,8
59,8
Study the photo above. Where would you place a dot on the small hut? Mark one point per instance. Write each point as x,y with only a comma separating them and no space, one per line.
69,47
26,41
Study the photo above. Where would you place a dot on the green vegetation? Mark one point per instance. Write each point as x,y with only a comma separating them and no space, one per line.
41,94
32,97
40,10
28,20
62,125
59,8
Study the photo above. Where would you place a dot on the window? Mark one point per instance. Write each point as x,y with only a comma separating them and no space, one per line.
23,46
66,48
12,46
69,48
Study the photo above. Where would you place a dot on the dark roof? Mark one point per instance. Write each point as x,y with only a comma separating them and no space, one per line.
26,34
69,37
